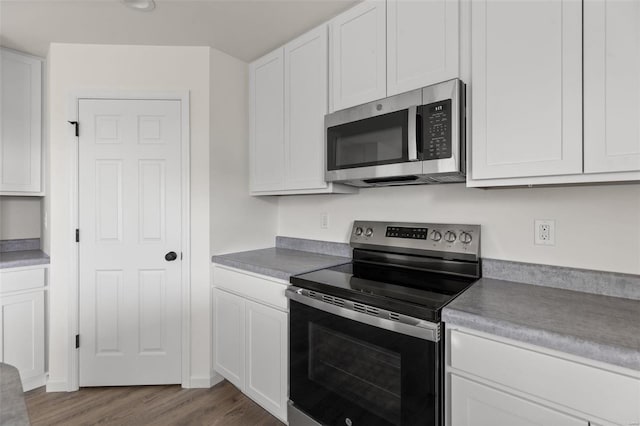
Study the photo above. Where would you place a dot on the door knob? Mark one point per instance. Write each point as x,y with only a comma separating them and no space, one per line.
171,256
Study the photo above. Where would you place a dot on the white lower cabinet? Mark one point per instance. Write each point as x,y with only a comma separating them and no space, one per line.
493,381
22,324
251,336
479,405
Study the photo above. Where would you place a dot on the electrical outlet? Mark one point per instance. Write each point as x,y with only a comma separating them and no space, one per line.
545,232
324,220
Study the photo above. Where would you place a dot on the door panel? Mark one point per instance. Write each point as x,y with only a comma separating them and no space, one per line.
130,217
306,100
526,88
266,110
611,86
422,43
21,122
359,57
267,357
473,404
229,332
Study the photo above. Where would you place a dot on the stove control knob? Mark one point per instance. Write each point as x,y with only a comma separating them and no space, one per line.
449,236
436,235
358,231
465,238
368,232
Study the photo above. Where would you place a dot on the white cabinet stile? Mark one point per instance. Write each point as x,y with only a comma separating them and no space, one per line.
422,43
358,55
20,123
266,112
611,86
526,88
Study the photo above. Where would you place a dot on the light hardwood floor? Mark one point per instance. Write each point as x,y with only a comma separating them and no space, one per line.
221,405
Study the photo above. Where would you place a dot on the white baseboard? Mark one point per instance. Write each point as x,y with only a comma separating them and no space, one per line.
205,381
34,382
57,386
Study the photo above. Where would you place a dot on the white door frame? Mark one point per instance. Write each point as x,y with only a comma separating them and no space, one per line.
185,285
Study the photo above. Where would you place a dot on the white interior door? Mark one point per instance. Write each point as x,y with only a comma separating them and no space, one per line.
130,218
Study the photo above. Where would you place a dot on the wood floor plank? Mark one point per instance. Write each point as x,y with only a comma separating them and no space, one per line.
221,405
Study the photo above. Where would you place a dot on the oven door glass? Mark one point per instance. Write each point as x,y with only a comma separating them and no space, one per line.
369,142
345,372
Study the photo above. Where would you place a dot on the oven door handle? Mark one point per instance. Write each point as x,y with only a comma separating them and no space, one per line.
409,326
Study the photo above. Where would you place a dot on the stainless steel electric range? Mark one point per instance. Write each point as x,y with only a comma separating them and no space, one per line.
365,340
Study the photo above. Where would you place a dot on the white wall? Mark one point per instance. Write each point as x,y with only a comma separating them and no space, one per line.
138,68
597,227
20,217
238,222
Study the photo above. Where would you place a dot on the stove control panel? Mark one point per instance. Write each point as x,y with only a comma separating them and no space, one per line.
433,239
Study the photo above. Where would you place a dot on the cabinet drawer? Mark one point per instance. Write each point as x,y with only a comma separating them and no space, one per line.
21,280
592,390
263,290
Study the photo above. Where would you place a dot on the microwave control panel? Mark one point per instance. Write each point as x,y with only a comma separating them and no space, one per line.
436,122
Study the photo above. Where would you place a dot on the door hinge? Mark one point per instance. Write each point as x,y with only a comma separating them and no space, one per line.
77,125
77,341
77,235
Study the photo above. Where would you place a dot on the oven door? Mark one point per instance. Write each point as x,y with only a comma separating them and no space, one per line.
346,372
374,140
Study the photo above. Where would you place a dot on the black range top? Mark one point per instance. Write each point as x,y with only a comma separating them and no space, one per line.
409,269
419,294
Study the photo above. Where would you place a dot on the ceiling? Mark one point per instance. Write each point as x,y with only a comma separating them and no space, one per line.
245,29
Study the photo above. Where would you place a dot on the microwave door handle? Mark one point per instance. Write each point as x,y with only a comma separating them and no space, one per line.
412,139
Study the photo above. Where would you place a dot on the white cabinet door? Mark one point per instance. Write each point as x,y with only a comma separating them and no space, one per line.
526,88
22,335
611,86
20,122
422,43
229,332
474,404
305,105
266,126
358,55
267,357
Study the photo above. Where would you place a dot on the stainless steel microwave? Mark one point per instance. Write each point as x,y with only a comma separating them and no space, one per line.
415,137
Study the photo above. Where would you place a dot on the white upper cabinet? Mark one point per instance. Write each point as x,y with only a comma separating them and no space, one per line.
306,103
266,128
20,124
358,55
611,86
288,101
526,88
422,43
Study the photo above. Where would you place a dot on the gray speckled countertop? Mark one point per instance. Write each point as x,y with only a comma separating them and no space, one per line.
15,259
279,263
13,410
597,327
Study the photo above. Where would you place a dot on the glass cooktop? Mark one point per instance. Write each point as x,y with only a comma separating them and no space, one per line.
416,293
